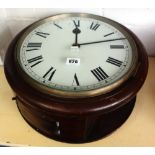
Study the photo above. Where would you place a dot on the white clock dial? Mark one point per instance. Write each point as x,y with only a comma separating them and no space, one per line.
76,54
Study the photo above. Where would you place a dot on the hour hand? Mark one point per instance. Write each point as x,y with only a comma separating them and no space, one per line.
76,31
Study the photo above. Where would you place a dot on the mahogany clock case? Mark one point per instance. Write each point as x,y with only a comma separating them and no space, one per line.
75,120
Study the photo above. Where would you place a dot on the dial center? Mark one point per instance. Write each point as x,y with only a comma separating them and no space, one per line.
74,48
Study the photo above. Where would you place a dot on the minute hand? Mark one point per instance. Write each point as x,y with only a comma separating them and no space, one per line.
101,41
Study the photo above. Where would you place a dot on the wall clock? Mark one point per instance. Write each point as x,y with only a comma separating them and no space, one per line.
76,75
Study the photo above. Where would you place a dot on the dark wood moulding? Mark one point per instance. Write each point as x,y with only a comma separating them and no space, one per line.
76,120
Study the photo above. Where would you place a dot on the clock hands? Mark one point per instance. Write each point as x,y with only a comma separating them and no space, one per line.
76,31
95,42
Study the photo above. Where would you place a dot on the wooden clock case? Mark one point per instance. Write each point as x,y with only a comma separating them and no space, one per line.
76,120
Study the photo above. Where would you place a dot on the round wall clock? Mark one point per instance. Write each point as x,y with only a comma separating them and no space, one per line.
76,75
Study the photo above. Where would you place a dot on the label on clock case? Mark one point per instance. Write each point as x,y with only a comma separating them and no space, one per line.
73,61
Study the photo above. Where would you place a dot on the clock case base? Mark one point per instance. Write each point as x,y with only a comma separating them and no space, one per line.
75,120
94,128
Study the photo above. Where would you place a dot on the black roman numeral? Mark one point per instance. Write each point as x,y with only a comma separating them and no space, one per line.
42,34
76,23
33,46
49,74
108,34
76,80
116,46
114,61
94,26
35,61
99,74
58,26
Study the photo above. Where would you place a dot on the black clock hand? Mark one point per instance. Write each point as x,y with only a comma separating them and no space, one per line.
76,31
101,41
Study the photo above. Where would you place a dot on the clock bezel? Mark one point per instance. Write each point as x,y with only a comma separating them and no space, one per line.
77,94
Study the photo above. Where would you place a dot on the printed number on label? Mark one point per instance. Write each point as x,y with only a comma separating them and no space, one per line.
75,61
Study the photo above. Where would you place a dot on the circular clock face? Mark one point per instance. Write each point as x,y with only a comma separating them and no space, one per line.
76,55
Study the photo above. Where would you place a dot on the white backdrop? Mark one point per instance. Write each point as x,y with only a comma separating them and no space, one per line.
140,21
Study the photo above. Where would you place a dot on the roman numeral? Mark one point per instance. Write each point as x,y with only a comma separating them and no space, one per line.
116,46
99,74
114,61
94,26
42,34
33,46
108,34
76,80
58,26
49,74
35,61
76,23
